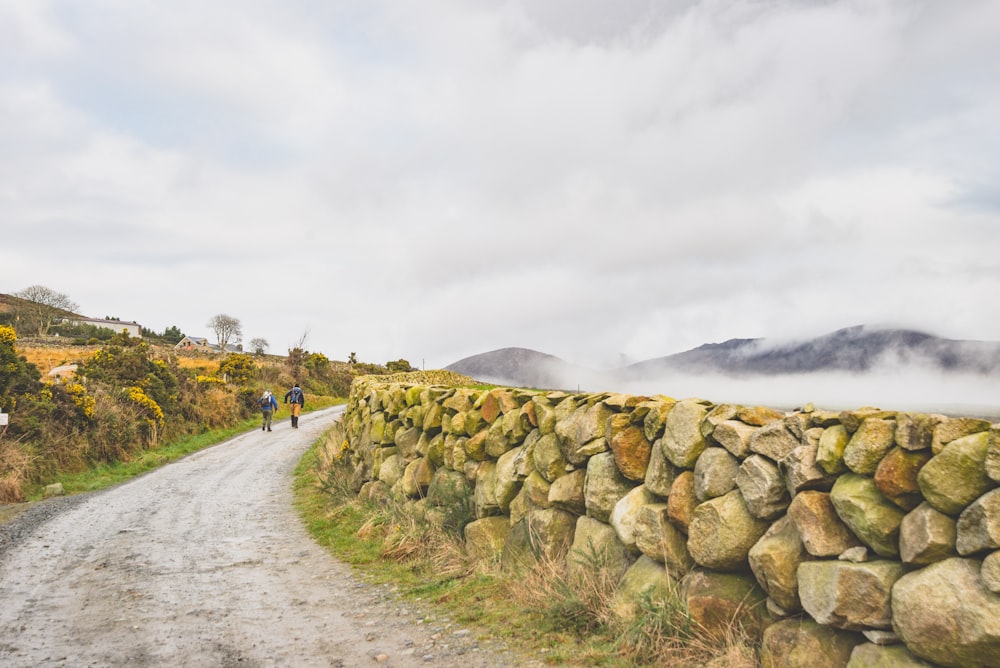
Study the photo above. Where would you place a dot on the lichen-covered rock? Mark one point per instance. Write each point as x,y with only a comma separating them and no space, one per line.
951,429
979,525
830,455
582,433
762,486
625,515
448,488
417,478
681,502
660,540
406,441
990,572
722,531
801,470
645,578
551,532
566,493
956,476
475,446
496,442
734,436
714,473
847,595
915,430
775,560
896,476
596,545
758,416
604,485
802,643
992,463
822,532
869,515
537,489
715,417
714,600
510,473
656,418
629,447
682,439
545,415
852,419
872,440
660,474
945,614
391,469
548,457
485,490
774,441
870,655
485,538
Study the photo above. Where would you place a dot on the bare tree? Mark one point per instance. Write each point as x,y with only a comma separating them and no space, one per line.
259,346
227,329
41,306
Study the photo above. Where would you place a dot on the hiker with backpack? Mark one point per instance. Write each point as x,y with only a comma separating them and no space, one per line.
268,407
298,400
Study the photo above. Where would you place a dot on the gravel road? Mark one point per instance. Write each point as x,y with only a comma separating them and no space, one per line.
204,562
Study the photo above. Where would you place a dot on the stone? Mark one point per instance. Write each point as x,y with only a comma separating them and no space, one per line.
583,432
872,440
990,572
406,441
852,419
660,540
433,415
545,415
869,515
832,443
774,561
802,472
485,538
603,486
802,643
714,418
475,447
896,476
945,614
682,439
992,463
485,490
625,515
722,531
871,655
714,600
979,525
660,474
880,637
391,469
629,447
951,429
548,457
645,579
734,436
856,555
915,430
656,418
474,422
509,477
596,546
681,502
774,441
714,473
762,486
847,595
448,488
537,489
496,441
822,532
551,532
566,493
490,407
417,478
758,416
956,476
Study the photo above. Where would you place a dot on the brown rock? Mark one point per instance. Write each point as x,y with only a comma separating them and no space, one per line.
682,501
630,447
896,476
823,533
802,643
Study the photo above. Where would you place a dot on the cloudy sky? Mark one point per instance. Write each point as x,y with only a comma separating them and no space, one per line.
599,180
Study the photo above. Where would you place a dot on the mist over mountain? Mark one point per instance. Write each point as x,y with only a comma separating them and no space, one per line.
901,368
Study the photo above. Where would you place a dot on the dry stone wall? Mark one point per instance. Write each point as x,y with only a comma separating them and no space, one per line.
858,538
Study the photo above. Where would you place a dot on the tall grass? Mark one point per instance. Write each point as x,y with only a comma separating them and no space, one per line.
569,617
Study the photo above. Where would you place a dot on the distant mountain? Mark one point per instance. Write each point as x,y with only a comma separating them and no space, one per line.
855,349
521,367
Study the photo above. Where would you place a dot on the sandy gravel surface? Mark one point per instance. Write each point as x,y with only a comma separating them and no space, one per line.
204,562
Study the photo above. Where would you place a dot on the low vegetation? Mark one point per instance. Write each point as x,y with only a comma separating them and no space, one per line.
557,617
132,404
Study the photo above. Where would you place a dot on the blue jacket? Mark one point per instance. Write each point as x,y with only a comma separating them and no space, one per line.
296,396
271,404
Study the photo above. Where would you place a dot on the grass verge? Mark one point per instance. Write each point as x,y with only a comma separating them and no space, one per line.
542,611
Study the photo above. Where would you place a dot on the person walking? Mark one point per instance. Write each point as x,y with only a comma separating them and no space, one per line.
268,407
298,400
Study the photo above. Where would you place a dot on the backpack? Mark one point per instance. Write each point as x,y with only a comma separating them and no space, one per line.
296,396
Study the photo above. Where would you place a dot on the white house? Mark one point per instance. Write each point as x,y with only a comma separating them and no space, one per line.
117,326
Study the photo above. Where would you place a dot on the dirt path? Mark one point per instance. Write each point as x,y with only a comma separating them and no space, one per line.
205,563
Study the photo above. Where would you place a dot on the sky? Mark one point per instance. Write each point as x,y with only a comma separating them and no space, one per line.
604,181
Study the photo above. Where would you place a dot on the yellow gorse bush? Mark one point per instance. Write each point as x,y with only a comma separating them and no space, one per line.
7,335
82,400
138,397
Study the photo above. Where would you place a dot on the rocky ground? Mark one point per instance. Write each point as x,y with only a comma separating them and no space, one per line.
204,562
